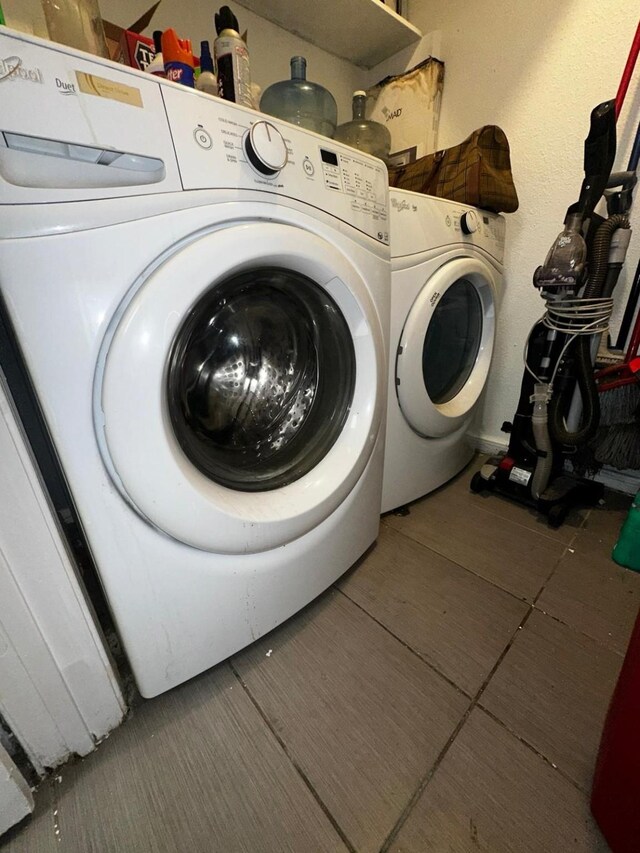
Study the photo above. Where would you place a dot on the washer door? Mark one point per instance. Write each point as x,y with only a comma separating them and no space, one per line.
446,347
240,396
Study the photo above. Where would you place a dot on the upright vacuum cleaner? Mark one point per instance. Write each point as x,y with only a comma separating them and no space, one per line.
558,410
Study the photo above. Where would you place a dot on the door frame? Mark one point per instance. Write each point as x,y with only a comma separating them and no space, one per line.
16,799
60,692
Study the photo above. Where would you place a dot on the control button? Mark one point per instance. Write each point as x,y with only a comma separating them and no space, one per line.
447,221
202,138
265,148
307,165
469,222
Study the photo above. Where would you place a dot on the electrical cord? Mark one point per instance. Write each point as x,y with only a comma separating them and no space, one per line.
594,315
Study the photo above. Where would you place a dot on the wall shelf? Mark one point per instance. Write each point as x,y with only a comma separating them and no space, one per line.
364,32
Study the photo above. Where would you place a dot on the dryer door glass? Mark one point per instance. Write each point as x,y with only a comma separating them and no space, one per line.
260,380
452,341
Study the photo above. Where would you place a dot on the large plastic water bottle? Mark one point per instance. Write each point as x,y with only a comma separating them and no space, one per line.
362,133
301,102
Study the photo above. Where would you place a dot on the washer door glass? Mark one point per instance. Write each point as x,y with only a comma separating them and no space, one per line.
452,341
445,347
239,393
261,378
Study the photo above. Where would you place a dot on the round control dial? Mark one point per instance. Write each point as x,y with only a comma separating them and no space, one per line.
469,222
265,148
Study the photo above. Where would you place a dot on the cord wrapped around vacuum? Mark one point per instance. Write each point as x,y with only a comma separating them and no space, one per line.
581,318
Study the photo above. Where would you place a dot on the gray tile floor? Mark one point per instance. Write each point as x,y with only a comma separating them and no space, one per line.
446,695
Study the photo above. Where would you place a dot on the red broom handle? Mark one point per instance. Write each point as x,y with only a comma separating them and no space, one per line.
628,71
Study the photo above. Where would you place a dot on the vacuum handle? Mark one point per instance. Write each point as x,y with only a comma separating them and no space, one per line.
599,155
600,144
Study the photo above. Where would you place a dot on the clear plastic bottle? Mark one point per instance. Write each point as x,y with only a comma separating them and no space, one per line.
77,23
361,133
301,102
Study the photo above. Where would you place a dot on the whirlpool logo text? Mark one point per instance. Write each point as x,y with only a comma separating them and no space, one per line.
12,71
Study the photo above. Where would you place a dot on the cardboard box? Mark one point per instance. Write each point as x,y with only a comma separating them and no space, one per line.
409,106
136,50
122,43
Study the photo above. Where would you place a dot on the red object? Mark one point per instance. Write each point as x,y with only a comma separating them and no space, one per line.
625,373
628,71
615,797
136,50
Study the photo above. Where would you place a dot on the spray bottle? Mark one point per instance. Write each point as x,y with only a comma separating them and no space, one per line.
206,82
156,66
178,58
232,60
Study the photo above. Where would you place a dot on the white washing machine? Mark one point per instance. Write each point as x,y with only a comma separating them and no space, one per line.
201,301
446,280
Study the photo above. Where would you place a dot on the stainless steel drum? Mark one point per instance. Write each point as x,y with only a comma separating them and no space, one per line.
260,380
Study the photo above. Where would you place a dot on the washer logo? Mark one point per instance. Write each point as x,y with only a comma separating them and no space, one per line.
434,298
12,70
65,88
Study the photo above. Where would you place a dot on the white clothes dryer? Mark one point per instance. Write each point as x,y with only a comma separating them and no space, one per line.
446,280
200,300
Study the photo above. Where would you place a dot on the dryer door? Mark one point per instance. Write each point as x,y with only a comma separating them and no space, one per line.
446,347
241,388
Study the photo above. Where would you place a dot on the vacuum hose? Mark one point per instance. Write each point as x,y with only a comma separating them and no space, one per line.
544,464
583,364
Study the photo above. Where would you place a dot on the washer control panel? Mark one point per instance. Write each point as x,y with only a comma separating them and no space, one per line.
222,145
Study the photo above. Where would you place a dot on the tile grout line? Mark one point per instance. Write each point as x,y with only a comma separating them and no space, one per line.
466,568
496,516
428,776
475,702
406,645
579,631
533,749
307,782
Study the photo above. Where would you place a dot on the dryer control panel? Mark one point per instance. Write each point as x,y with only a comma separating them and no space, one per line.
421,223
221,145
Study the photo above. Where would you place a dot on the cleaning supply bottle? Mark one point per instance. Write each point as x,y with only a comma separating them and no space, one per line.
206,81
156,66
301,102
627,549
178,58
361,133
232,60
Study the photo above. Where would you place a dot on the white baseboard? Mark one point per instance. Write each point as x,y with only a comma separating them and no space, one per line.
486,444
627,481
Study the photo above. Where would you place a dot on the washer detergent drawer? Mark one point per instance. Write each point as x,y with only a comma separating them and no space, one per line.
74,128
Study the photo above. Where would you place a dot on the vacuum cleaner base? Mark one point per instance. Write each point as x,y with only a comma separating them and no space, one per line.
563,493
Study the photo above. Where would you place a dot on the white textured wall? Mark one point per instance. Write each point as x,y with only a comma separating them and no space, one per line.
270,47
537,70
